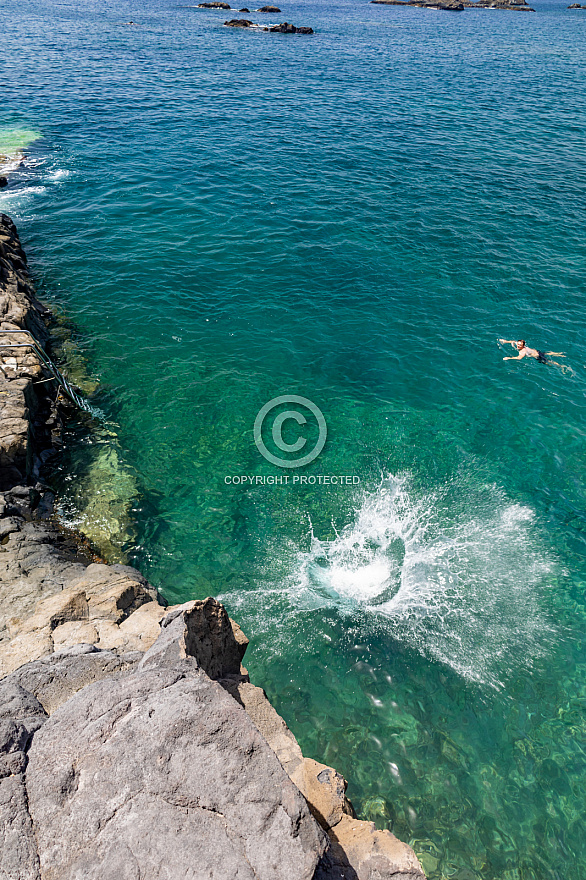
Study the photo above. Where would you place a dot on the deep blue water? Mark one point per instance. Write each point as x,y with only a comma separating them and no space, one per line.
354,217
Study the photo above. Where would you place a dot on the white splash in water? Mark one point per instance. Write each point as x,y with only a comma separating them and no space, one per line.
29,177
59,174
456,575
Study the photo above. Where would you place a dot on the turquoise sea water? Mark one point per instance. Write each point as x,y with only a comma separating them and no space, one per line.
353,217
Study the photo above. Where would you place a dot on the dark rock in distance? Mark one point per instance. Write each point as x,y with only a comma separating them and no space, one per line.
284,28
576,6
448,5
511,5
214,5
244,10
269,9
459,5
287,28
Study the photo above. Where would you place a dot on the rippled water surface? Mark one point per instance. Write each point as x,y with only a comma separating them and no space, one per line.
354,217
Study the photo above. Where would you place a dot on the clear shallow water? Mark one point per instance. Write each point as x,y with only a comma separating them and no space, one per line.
354,217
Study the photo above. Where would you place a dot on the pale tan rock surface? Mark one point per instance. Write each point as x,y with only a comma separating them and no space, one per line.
97,608
370,854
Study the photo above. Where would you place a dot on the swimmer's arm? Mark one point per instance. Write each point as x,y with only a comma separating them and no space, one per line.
518,358
508,341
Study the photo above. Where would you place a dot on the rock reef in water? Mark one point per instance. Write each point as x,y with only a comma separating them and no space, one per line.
284,28
449,5
576,6
132,742
214,6
459,5
508,5
268,9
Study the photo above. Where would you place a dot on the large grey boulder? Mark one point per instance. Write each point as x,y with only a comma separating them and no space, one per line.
202,631
55,678
168,764
161,773
21,715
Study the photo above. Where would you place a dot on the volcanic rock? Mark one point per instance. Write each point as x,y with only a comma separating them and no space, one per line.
508,5
448,5
194,784
287,28
111,607
141,741
21,715
360,852
459,5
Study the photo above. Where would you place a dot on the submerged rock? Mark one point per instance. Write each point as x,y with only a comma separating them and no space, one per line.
269,9
239,22
100,502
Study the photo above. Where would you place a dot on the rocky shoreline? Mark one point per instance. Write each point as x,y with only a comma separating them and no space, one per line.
132,742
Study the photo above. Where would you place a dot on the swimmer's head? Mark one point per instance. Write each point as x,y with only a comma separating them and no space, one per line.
520,344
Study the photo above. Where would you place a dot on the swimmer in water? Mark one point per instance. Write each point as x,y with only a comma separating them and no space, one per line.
542,357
